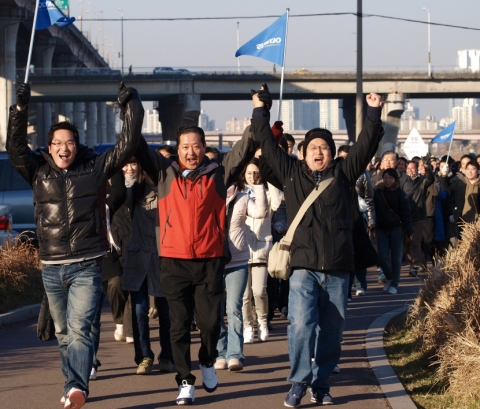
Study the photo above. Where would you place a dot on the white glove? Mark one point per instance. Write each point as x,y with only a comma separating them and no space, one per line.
444,170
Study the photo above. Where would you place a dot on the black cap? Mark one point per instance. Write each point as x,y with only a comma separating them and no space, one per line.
324,134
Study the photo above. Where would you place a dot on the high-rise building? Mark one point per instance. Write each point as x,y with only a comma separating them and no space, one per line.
287,115
237,126
466,115
203,120
151,122
329,114
468,60
410,112
307,115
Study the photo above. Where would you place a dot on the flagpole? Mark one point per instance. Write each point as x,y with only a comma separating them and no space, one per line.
450,147
29,59
283,68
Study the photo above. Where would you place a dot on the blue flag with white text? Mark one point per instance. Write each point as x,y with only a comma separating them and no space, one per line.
269,44
49,14
446,134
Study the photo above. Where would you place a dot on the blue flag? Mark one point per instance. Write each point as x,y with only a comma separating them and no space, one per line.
49,14
269,44
446,134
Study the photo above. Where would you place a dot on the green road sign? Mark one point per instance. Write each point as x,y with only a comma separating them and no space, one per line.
62,4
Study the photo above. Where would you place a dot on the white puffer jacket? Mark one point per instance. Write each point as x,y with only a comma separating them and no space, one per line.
259,230
237,232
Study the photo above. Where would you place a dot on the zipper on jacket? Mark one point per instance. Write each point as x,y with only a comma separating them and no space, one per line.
67,224
201,188
185,188
167,223
218,227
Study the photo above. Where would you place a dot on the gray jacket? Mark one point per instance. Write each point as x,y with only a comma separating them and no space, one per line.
141,260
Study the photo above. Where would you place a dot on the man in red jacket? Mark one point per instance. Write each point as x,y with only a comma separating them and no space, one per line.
191,201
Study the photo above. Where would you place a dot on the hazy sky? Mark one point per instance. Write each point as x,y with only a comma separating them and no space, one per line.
320,43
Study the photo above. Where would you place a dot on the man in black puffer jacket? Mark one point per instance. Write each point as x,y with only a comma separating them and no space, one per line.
69,184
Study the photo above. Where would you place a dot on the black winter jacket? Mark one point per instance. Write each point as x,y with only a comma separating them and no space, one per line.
70,211
456,186
396,213
323,241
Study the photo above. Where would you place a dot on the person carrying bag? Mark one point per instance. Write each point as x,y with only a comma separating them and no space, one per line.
279,257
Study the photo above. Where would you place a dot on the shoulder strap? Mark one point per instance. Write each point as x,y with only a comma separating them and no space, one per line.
305,205
389,208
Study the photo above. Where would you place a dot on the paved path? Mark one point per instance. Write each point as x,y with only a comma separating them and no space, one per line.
31,377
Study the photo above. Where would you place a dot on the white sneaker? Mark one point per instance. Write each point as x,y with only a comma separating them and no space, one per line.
118,334
185,394
392,290
387,285
129,340
248,335
381,277
360,292
262,331
220,363
75,399
336,370
62,401
93,375
209,378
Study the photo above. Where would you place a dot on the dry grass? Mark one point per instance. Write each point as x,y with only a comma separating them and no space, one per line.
446,315
20,274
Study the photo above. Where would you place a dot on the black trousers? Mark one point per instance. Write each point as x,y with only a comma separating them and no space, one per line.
193,287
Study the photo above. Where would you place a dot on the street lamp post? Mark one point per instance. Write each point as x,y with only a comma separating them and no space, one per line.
121,11
429,60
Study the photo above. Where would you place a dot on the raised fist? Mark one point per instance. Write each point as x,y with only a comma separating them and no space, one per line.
23,95
374,100
262,97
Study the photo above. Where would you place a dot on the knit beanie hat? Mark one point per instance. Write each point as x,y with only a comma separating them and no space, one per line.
277,130
324,134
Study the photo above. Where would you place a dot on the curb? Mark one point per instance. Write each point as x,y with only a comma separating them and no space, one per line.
19,315
389,383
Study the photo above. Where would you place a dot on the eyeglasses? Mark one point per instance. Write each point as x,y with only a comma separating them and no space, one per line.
68,144
315,148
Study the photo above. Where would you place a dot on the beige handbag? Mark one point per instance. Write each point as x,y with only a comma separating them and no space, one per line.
279,257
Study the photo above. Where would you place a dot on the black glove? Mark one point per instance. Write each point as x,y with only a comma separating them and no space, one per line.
23,95
125,94
264,96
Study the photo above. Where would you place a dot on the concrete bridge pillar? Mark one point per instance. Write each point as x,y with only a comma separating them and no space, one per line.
111,113
8,66
78,115
101,122
44,122
66,112
176,111
392,111
43,56
91,134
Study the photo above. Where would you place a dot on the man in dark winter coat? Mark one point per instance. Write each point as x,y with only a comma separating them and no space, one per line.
322,251
419,214
69,184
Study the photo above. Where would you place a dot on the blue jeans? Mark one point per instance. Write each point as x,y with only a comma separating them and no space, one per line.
230,343
390,252
141,328
95,333
73,292
316,311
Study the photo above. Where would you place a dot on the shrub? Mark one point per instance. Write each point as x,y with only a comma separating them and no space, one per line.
446,315
20,274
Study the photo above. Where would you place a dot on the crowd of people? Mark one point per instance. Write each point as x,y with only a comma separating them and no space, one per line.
184,235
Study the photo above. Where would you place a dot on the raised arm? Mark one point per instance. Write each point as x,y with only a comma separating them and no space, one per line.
278,160
363,150
132,112
23,159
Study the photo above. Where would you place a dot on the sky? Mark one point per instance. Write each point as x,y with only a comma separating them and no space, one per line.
317,43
